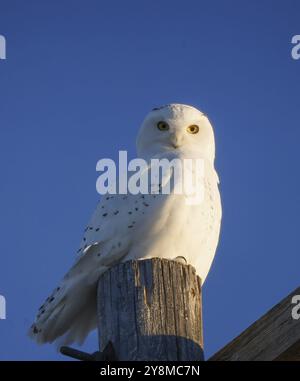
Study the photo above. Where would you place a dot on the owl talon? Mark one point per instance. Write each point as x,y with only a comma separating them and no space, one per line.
181,260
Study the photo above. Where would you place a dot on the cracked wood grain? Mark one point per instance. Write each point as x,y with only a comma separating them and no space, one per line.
151,310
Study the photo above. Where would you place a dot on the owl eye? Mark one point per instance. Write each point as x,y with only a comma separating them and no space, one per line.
162,126
193,129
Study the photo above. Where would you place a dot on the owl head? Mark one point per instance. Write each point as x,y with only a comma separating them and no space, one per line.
176,127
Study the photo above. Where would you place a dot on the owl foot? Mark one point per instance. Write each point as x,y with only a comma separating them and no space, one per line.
181,260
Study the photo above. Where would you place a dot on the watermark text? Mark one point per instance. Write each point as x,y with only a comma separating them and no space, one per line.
296,308
2,307
295,52
159,176
2,48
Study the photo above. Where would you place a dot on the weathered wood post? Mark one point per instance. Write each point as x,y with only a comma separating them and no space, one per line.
151,310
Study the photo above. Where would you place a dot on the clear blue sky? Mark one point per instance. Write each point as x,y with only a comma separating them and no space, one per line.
78,80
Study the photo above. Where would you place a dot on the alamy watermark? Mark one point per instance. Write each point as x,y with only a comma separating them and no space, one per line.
2,307
295,52
296,308
2,48
159,176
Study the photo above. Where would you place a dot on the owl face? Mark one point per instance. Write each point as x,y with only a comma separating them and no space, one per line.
176,127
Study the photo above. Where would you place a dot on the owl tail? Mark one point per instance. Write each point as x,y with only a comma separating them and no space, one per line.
69,313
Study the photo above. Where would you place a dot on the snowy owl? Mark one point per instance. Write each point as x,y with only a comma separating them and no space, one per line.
140,226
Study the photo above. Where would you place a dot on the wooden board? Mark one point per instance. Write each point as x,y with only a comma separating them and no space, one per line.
275,336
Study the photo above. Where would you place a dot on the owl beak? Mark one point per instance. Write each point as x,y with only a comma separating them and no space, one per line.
175,141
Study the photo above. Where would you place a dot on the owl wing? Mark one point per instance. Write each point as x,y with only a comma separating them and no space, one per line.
108,221
70,311
115,217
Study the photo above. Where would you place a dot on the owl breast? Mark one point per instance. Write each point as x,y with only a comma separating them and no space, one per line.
171,227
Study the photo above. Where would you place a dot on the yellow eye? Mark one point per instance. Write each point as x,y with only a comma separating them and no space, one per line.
193,129
162,126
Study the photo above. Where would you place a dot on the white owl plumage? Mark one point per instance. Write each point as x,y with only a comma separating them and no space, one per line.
125,227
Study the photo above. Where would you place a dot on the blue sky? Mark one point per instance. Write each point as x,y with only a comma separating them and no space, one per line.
78,80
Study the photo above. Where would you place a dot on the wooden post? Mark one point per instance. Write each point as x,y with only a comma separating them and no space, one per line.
151,310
